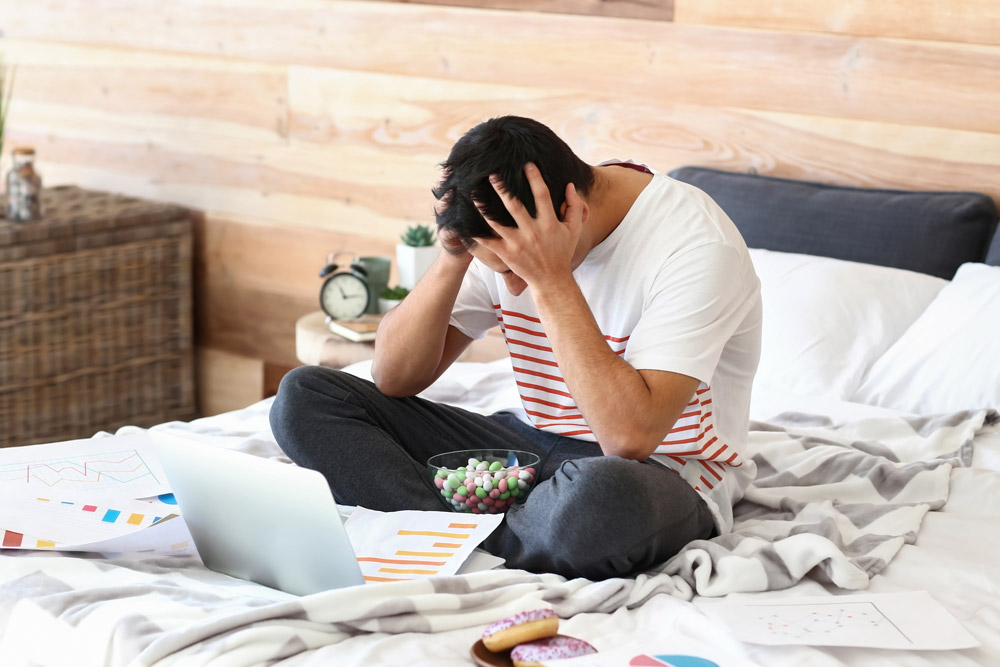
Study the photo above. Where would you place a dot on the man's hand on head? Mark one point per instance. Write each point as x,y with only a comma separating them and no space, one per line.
541,248
455,251
450,241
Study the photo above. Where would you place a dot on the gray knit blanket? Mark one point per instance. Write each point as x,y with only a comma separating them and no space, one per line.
832,502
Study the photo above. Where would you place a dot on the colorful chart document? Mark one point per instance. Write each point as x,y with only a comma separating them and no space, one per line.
397,546
37,522
110,468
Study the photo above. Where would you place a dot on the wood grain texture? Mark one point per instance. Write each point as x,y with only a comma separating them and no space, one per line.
227,381
967,21
254,281
928,83
662,10
166,86
308,126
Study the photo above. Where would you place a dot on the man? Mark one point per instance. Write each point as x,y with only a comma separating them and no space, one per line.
632,317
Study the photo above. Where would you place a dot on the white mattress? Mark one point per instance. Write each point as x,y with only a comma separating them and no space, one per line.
954,558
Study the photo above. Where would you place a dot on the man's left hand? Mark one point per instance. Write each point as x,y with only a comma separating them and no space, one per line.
541,248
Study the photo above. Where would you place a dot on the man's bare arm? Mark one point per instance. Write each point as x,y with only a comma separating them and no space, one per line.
629,411
415,342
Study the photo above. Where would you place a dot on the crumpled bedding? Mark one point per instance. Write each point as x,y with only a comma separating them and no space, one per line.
833,503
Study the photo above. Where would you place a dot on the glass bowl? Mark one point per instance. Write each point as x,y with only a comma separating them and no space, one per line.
484,481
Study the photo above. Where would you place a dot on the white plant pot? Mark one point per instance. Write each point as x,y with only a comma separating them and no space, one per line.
384,305
412,263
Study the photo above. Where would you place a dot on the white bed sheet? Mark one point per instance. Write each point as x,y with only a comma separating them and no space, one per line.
954,558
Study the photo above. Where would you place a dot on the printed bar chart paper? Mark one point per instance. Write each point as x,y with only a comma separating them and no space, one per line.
411,544
58,523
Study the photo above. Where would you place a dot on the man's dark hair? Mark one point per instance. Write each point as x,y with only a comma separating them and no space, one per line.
502,146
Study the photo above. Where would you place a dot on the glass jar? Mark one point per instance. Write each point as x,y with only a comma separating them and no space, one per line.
24,187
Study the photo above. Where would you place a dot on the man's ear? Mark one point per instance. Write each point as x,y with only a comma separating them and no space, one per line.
586,211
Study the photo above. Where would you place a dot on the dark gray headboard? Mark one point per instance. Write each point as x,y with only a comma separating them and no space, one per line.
930,232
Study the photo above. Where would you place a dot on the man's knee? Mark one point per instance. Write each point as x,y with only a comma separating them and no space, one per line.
602,484
305,394
608,517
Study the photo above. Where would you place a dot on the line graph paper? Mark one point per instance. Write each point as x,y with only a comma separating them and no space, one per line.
857,619
123,466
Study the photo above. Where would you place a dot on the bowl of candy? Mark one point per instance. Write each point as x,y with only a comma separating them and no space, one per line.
484,481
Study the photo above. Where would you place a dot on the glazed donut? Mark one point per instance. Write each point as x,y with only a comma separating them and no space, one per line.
519,628
533,654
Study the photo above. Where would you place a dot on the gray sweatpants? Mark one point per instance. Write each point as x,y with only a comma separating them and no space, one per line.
589,515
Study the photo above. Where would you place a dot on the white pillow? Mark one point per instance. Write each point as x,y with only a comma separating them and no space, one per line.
949,360
827,320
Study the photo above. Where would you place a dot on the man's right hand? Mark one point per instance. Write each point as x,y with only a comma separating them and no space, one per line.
452,246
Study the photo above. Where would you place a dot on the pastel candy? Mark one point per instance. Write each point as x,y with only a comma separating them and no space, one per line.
468,487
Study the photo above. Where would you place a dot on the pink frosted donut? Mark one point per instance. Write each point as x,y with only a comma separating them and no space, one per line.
533,654
519,628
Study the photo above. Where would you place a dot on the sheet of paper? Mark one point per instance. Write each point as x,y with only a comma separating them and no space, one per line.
480,560
115,467
61,522
169,537
910,620
396,546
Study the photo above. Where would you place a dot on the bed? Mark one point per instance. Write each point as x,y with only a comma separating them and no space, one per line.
874,426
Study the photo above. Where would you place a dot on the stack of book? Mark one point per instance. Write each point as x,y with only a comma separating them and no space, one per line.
359,330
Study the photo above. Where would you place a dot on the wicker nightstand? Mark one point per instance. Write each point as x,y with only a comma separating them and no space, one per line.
95,317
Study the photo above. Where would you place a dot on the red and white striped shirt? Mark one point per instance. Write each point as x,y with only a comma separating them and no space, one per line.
671,288
550,406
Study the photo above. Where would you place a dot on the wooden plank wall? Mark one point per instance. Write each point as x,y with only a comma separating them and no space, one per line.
305,126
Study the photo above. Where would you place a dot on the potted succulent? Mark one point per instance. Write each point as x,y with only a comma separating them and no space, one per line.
415,254
390,297
6,90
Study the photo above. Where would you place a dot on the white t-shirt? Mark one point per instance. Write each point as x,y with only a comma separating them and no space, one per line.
672,288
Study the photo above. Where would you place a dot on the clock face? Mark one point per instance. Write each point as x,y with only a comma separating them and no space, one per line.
344,296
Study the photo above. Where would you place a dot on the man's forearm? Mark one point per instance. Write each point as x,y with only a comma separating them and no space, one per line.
410,342
612,396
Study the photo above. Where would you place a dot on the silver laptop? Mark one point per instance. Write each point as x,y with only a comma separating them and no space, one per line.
257,519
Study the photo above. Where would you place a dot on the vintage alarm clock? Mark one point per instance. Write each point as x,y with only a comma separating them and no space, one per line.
344,294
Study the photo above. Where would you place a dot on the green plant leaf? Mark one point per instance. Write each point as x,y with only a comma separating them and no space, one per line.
418,236
396,293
